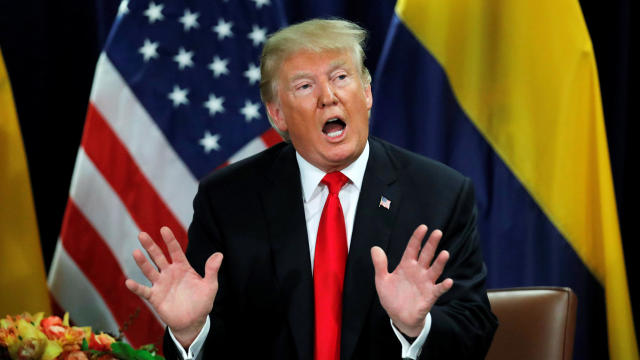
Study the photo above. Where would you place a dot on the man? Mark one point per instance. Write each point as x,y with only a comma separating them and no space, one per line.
286,219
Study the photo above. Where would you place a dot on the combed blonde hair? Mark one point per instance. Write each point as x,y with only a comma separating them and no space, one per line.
315,35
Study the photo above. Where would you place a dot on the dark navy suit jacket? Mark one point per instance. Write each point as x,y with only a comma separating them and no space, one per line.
252,212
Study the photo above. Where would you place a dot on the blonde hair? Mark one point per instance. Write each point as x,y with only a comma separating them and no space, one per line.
315,35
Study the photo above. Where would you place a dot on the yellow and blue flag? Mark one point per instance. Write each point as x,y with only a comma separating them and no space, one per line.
507,92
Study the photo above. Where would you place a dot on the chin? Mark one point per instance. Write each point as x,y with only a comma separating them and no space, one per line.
341,159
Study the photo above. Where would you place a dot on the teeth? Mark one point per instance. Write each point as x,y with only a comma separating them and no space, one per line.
335,133
332,120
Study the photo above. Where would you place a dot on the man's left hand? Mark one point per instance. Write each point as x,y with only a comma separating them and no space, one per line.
409,292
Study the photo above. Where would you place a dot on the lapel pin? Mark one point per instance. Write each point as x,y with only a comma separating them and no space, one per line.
384,202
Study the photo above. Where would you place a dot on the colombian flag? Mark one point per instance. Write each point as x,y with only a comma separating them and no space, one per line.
507,92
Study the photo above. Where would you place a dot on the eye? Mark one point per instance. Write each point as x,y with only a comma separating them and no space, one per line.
303,87
341,77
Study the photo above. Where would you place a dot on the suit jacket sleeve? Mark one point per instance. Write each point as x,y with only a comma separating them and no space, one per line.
462,322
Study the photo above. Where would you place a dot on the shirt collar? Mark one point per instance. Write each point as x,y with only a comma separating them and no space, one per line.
310,176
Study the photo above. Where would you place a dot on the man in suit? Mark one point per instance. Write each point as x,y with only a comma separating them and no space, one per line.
310,228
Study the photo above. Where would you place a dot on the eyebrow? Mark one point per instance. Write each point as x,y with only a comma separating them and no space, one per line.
299,75
303,74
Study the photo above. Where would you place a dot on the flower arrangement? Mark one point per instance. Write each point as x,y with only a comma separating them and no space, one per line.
29,336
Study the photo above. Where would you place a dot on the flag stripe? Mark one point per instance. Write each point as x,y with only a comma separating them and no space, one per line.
107,276
262,142
144,205
271,137
173,181
253,147
73,291
107,214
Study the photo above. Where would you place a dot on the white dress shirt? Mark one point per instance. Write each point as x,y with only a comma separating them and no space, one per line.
314,195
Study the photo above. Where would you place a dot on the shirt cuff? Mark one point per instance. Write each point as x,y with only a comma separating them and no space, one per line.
196,345
413,350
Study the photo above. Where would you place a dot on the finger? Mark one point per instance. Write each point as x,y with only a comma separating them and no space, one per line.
212,267
140,290
175,251
413,247
442,287
379,259
438,266
154,251
147,269
429,249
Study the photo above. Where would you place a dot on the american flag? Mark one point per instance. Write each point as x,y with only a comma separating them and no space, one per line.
385,203
175,95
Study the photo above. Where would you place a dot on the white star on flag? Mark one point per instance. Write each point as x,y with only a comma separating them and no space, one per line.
250,110
258,35
253,74
123,9
210,142
149,50
219,66
214,104
179,96
223,29
189,20
261,3
183,58
154,12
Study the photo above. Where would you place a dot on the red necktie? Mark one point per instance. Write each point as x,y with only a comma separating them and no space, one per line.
328,271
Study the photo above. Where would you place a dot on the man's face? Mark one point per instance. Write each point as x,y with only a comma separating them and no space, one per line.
324,106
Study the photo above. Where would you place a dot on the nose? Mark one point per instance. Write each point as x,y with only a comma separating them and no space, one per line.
327,96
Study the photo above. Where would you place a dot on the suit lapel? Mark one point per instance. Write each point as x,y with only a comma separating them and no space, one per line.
372,227
290,247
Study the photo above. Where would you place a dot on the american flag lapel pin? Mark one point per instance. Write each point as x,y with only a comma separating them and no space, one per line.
384,202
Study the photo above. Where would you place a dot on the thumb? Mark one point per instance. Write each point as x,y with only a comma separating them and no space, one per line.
212,266
379,259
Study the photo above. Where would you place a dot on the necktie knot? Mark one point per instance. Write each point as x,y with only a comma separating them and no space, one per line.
335,181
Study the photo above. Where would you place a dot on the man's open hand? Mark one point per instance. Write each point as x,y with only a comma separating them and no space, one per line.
408,293
180,296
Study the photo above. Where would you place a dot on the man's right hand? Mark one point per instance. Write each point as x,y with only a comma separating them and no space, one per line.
181,297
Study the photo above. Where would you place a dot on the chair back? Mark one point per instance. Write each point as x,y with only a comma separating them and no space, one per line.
534,323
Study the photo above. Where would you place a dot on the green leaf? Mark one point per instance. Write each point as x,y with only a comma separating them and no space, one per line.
85,344
144,355
149,347
123,351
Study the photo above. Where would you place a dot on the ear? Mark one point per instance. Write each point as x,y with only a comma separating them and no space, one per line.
368,96
277,116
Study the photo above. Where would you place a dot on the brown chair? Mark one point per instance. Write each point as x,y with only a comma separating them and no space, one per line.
534,323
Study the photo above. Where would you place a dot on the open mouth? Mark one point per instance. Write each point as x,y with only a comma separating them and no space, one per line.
334,127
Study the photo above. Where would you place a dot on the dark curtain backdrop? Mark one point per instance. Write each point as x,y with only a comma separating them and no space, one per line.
50,49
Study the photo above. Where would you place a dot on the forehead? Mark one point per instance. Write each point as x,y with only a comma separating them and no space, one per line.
311,62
